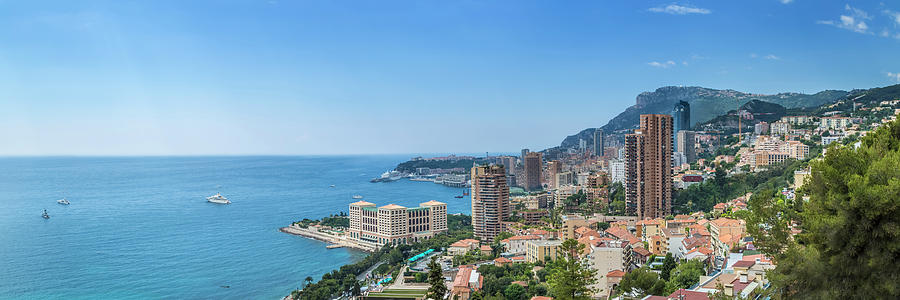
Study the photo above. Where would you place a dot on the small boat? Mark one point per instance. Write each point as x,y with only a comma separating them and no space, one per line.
332,185
357,196
45,215
63,201
458,196
218,199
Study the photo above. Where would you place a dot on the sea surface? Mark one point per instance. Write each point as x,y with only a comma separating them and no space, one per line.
140,227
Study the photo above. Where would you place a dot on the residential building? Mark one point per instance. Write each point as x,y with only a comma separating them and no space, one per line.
761,128
797,120
617,171
533,171
394,224
765,158
538,250
598,142
685,145
648,188
462,247
467,281
518,244
780,128
726,233
561,179
834,123
490,200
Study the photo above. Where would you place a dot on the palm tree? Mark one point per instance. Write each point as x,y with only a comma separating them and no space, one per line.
308,280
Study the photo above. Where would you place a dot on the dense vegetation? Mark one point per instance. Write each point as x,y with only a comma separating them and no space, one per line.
849,243
721,188
672,276
339,220
344,279
410,166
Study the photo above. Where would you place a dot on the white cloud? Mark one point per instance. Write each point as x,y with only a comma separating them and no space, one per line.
894,76
675,9
753,55
663,65
885,33
772,57
786,1
853,22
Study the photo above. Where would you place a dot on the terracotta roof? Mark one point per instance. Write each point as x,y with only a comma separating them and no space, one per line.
486,248
582,230
615,273
524,237
521,283
541,298
725,222
462,277
720,205
464,243
683,294
432,203
392,206
702,250
502,260
761,257
650,222
641,251
517,258
538,231
743,264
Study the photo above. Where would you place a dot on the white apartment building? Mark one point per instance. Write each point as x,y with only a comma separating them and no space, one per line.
394,224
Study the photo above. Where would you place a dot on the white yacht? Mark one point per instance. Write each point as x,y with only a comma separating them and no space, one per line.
357,196
218,198
63,201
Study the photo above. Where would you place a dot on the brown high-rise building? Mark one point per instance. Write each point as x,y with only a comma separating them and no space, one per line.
648,168
490,201
533,171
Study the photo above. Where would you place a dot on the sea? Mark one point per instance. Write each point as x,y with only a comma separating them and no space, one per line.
140,227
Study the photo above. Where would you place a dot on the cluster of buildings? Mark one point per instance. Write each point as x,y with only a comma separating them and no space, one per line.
392,224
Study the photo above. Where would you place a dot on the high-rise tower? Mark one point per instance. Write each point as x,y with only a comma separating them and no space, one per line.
648,184
490,201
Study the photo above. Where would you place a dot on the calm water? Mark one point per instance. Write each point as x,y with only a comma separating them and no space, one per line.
141,228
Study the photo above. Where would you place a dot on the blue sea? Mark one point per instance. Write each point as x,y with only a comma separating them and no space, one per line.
140,227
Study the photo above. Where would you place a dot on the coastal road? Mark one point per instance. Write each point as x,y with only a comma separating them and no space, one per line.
369,271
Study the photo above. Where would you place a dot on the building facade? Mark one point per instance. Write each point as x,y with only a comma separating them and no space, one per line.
681,116
598,142
533,171
394,224
685,144
648,188
490,200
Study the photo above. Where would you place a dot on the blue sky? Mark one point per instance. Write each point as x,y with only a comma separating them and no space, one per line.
345,77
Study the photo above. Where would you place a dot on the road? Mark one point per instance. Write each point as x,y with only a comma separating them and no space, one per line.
368,272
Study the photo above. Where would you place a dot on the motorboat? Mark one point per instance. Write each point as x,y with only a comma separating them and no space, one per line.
63,201
45,215
357,196
218,199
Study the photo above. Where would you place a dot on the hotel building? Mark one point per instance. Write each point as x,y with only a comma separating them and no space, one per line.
394,224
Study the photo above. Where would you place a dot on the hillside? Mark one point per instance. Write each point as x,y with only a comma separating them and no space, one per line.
755,112
707,103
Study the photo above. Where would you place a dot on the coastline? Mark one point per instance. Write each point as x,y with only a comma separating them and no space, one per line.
333,240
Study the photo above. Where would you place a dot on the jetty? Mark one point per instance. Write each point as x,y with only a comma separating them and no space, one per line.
335,240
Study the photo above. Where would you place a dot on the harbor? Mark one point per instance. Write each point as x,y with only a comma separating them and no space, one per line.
335,239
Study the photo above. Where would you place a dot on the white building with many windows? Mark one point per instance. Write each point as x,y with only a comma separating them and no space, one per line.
394,224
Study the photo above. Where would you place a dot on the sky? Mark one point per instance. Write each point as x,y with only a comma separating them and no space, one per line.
369,77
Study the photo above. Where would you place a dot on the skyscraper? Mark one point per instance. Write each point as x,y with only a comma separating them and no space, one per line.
685,144
490,201
648,183
533,171
598,142
525,152
682,117
553,167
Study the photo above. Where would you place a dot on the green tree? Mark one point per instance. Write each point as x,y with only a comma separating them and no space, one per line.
515,292
438,289
850,240
642,282
571,277
667,267
502,236
684,275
